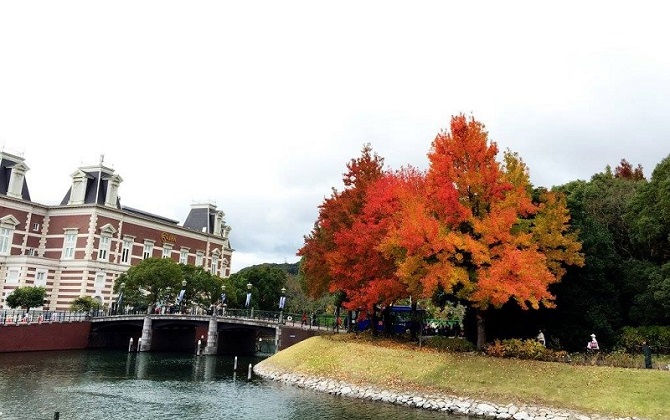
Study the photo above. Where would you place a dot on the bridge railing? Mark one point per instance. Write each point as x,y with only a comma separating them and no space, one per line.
22,317
311,321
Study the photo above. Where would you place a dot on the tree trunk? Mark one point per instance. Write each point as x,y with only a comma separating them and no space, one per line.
373,321
481,329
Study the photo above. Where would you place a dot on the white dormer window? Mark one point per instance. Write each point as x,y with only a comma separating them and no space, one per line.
69,244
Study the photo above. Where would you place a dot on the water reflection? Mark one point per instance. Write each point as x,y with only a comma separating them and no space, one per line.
119,385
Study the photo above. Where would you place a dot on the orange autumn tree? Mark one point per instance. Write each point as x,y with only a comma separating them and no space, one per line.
475,231
367,275
328,264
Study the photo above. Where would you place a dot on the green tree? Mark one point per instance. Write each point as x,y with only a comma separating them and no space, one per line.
84,304
266,284
649,214
150,282
27,297
202,288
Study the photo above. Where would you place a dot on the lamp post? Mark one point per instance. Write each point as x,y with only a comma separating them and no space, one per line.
223,300
282,303
248,301
182,297
119,300
168,291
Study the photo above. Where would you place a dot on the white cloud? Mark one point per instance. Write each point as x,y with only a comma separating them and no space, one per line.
264,102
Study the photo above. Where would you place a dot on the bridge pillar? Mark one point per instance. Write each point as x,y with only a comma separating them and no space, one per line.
146,335
212,336
277,338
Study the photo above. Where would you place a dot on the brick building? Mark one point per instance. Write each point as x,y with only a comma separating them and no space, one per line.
78,248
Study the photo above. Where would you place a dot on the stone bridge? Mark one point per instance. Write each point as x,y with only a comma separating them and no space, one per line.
202,334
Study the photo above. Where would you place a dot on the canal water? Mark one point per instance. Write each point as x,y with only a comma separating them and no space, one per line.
99,385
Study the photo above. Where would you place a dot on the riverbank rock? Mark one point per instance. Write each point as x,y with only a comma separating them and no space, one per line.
447,403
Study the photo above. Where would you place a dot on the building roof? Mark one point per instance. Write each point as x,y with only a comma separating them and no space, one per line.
201,218
150,215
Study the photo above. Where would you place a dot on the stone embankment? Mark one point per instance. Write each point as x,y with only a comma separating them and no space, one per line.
446,403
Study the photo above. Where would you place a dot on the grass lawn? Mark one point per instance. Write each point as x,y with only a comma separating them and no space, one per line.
387,364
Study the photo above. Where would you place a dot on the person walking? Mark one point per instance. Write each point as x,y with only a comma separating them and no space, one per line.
646,350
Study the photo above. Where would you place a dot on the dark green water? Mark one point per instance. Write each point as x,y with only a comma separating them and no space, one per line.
116,385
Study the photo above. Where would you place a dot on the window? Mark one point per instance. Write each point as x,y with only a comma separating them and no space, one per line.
148,249
215,264
198,259
40,278
69,244
13,276
6,235
127,250
7,226
36,227
183,256
167,251
100,280
103,249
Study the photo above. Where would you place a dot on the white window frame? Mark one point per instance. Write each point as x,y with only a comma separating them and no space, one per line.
69,243
148,250
40,278
7,228
100,278
215,262
199,259
104,243
6,238
127,250
167,251
183,256
13,275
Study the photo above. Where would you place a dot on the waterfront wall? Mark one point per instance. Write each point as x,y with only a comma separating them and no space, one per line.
291,335
46,336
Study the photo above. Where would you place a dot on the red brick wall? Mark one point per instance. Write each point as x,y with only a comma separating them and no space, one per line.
38,337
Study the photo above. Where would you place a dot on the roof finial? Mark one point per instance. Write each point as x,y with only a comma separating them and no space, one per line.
102,158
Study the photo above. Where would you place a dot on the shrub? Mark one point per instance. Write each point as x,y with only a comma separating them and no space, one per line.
450,344
523,349
620,358
658,337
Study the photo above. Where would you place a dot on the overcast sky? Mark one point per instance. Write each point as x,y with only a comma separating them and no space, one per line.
257,106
